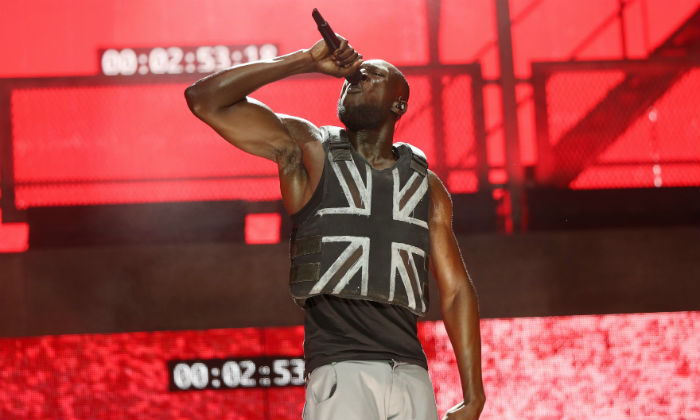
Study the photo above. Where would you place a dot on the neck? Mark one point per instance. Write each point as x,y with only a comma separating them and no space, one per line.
374,144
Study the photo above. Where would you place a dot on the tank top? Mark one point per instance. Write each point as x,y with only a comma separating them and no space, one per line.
338,329
341,328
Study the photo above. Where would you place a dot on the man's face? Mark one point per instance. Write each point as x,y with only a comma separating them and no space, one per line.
367,104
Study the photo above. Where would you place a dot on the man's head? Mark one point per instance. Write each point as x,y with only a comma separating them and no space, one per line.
381,96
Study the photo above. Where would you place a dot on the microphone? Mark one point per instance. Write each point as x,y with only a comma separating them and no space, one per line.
332,41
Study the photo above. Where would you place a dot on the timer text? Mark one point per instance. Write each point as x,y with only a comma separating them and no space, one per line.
178,60
232,373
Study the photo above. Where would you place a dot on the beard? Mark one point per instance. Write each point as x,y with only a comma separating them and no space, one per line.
359,117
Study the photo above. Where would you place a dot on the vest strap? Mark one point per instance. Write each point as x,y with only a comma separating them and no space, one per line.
301,273
340,148
305,246
419,164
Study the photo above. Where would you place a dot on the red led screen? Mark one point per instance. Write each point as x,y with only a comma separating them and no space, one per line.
637,366
129,144
659,148
125,144
138,143
50,38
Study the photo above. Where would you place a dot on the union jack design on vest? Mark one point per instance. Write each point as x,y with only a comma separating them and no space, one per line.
367,237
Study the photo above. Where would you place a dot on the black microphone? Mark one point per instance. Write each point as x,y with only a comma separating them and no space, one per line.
332,41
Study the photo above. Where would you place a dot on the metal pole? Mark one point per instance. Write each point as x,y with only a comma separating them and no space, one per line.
510,112
436,88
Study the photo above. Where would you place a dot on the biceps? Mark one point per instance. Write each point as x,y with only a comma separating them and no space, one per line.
252,127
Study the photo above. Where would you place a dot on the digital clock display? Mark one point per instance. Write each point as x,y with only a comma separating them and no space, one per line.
234,373
180,59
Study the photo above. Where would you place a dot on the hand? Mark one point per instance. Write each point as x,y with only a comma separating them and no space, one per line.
340,63
461,411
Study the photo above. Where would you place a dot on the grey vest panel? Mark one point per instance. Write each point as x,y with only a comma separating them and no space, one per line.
364,233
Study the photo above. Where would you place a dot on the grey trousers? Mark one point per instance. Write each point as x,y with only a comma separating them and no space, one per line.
369,390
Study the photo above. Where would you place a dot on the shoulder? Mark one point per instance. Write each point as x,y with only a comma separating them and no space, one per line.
440,199
301,129
330,131
415,150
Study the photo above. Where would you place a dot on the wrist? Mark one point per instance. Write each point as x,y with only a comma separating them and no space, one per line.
302,62
474,397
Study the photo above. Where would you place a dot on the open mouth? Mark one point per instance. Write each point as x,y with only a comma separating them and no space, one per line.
354,89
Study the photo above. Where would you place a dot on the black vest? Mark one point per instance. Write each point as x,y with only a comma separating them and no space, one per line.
364,233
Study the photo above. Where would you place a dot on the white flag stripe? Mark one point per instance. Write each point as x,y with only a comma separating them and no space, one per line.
355,243
412,263
405,279
365,190
408,184
398,265
404,214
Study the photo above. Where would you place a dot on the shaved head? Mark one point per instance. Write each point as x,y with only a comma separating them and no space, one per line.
399,80
403,89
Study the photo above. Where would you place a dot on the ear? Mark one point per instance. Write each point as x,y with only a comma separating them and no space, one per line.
399,107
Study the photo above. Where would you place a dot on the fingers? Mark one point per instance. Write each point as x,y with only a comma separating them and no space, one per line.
355,66
349,60
341,62
344,53
345,56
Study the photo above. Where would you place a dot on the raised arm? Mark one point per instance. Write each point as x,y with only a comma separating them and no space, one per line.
221,101
458,302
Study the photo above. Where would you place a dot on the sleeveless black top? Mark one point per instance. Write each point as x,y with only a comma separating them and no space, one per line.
338,329
349,323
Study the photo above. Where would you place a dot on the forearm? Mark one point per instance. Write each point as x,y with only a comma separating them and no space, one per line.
229,86
461,317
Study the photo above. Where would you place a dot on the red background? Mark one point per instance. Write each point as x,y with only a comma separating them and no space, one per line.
636,366
124,144
88,145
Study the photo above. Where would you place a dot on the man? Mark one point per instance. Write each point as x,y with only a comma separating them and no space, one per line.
369,219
